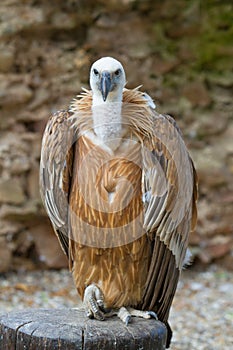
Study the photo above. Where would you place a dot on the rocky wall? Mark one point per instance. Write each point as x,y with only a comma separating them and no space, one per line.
183,57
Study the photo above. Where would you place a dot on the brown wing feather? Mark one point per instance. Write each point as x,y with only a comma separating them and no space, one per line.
55,173
170,192
169,183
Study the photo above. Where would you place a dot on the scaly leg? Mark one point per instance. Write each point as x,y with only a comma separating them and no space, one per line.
94,302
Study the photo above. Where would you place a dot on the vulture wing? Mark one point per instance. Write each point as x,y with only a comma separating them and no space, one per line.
56,171
169,193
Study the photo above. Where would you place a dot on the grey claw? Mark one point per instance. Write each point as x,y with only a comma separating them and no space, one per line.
152,314
101,304
89,314
127,320
99,316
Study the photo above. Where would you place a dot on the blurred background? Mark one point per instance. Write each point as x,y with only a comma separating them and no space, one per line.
181,52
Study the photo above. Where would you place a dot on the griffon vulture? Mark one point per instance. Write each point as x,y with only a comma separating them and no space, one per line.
120,189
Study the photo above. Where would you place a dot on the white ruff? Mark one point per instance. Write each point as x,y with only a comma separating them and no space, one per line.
107,123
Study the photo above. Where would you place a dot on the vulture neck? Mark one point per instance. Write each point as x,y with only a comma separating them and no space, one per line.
107,119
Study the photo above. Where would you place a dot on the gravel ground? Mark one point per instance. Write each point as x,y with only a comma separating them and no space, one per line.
201,317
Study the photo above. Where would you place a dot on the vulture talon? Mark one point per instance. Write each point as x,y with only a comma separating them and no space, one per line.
152,314
89,314
128,320
100,303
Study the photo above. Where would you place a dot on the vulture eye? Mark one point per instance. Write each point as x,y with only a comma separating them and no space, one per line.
95,71
118,72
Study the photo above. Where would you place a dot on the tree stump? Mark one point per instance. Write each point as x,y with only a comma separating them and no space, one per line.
69,329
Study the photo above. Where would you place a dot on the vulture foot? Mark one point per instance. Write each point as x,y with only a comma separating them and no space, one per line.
94,302
125,314
94,305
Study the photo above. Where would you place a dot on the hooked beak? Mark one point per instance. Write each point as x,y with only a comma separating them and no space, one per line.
105,84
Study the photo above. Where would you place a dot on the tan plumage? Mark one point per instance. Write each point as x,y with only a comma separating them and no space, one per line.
122,215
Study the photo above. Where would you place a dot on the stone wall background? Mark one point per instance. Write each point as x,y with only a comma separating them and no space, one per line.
181,54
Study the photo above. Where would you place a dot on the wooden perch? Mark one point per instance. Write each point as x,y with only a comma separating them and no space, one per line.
69,329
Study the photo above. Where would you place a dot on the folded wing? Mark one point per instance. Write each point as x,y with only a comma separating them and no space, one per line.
169,193
56,172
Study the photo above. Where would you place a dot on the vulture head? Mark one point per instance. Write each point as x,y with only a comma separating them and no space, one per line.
107,80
